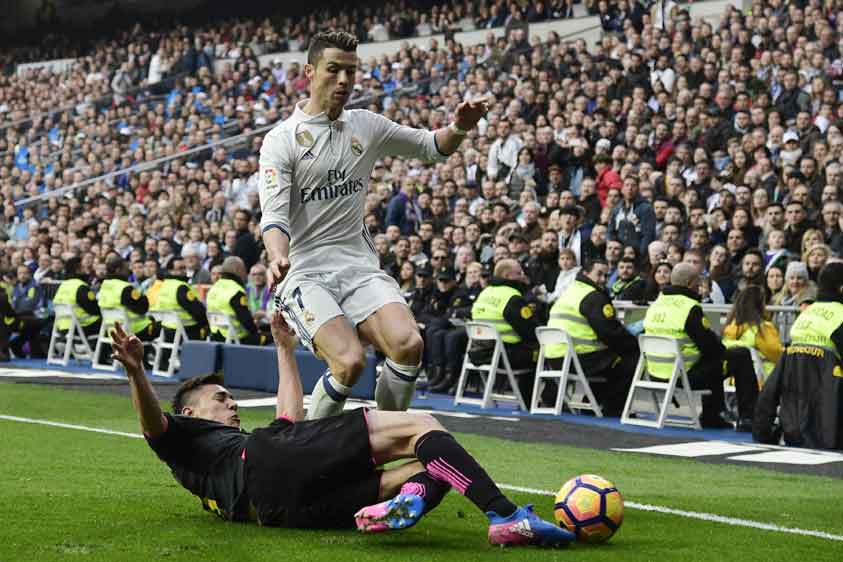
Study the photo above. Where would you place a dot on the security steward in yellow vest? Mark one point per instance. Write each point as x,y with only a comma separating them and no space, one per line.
677,313
604,346
502,303
117,293
76,292
8,320
228,296
176,295
805,389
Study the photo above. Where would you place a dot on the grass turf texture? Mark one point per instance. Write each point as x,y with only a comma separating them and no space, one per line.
74,495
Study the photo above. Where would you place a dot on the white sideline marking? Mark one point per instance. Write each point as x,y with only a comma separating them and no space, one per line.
746,452
71,426
353,403
6,372
734,521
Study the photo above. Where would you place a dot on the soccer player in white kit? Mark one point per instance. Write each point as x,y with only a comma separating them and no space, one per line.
314,177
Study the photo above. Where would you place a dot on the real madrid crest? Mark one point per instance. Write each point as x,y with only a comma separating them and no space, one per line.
356,146
305,139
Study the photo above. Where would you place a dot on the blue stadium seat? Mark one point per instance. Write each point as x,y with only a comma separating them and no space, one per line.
199,358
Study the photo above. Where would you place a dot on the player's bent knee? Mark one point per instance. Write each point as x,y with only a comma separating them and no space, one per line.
348,366
408,350
426,423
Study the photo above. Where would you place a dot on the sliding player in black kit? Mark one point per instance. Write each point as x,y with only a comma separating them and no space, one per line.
293,473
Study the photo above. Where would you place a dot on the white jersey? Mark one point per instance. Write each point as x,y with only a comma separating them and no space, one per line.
314,178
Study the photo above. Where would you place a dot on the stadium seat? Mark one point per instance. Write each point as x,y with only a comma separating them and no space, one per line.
110,316
223,322
663,347
581,396
73,337
199,358
161,344
483,331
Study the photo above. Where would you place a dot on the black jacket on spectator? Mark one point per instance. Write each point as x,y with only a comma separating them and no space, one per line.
807,385
705,339
246,248
462,301
608,329
418,299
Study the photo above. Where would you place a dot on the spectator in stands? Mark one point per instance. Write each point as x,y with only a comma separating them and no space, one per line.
196,274
245,247
503,302
798,289
8,317
401,211
657,281
503,154
434,316
748,327
632,222
629,285
752,269
228,296
774,278
815,259
449,343
607,351
258,293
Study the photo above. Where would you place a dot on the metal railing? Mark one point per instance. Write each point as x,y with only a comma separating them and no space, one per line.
783,317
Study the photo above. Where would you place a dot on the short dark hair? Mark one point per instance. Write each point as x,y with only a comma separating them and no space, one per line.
330,39
831,278
627,259
589,265
183,394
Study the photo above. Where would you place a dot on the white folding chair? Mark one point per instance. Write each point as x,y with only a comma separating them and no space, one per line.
484,331
553,336
664,350
74,334
161,343
223,322
110,316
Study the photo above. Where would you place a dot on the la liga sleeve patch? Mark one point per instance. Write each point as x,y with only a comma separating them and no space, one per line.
270,176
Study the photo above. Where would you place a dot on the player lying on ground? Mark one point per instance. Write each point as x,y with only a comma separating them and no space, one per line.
293,473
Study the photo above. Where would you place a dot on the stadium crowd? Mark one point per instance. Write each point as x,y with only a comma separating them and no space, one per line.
669,141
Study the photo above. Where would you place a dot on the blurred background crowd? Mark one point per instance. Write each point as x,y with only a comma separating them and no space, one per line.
668,140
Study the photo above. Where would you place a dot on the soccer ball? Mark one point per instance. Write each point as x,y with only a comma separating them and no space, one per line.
591,507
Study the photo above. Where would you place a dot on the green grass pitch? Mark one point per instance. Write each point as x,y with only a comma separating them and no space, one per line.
75,495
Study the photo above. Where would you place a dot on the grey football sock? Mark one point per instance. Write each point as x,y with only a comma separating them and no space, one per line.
328,397
396,385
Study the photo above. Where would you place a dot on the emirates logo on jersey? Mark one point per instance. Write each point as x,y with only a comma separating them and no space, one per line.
356,146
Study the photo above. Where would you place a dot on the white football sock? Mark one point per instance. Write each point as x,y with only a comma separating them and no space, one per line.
396,386
328,397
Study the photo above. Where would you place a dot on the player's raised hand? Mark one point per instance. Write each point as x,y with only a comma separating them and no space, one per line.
276,272
468,113
127,349
284,337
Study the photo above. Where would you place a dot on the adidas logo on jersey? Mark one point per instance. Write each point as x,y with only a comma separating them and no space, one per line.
308,155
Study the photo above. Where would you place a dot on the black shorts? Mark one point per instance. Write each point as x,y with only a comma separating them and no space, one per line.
312,474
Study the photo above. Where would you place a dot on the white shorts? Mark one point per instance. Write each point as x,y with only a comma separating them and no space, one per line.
309,299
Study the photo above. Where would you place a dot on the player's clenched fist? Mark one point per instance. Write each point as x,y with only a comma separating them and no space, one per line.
277,270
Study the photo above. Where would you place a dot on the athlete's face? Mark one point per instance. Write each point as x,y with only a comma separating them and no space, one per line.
213,402
332,79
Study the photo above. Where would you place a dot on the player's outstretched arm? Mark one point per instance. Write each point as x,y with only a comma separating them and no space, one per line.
467,115
290,402
128,349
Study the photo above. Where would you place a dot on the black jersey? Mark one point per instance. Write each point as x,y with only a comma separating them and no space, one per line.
206,458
